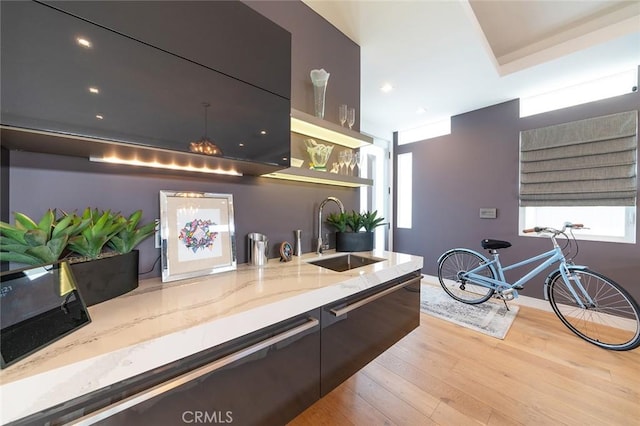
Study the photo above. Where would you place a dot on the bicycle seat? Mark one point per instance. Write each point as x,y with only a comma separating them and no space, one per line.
490,244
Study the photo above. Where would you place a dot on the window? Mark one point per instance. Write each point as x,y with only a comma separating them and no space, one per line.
582,172
604,223
602,88
428,131
405,190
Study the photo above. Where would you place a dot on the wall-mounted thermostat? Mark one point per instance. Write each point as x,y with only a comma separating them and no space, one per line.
488,213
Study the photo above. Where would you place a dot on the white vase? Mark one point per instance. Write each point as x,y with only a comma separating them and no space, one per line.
319,78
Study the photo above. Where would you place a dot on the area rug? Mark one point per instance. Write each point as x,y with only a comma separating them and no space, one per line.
490,317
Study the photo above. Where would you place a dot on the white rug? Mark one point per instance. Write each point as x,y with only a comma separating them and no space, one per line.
490,317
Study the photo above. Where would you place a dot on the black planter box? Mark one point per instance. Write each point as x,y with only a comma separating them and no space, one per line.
103,279
354,241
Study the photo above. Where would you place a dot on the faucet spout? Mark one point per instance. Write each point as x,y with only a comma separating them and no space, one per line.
340,205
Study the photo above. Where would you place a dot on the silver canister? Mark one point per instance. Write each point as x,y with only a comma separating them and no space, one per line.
257,248
297,251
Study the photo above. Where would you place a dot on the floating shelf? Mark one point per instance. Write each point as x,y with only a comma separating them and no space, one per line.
313,176
314,127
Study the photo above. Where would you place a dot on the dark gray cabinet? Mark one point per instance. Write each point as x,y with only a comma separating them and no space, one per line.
265,378
124,92
227,36
357,329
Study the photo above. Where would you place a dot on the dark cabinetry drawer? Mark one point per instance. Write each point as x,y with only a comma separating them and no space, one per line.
264,379
356,330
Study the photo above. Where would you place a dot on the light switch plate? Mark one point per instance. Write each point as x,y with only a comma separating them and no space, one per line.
488,213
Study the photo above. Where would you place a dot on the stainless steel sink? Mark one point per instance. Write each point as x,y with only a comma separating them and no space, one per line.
345,262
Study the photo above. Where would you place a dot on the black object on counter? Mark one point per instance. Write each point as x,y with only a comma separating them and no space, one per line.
38,305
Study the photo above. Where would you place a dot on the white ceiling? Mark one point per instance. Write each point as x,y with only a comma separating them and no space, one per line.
454,56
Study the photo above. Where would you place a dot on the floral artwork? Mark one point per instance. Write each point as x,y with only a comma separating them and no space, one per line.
198,234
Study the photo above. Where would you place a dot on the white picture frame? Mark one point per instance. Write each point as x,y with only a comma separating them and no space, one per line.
197,233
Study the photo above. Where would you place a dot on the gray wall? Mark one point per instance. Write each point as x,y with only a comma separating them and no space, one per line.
317,44
276,208
477,166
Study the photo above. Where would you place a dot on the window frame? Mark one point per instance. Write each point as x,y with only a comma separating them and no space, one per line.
630,226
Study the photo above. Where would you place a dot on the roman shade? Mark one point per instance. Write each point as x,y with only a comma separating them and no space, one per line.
589,162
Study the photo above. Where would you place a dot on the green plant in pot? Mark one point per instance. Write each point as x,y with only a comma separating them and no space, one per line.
99,246
354,230
109,266
31,243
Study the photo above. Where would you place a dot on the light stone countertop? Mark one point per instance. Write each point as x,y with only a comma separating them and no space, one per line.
160,323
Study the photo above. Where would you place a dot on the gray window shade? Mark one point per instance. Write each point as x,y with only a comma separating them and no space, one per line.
583,163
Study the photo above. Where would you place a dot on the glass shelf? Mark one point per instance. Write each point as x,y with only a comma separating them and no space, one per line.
305,126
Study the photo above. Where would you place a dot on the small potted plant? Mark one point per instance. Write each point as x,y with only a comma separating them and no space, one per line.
99,246
354,230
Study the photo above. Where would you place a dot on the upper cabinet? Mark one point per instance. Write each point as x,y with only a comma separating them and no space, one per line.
227,36
70,86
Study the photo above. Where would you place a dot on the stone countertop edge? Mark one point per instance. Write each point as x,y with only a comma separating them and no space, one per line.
159,323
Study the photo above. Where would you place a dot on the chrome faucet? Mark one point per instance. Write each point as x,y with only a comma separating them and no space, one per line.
339,203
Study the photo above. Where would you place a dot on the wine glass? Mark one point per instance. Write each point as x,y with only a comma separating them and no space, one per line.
343,114
351,117
359,163
352,163
342,157
348,157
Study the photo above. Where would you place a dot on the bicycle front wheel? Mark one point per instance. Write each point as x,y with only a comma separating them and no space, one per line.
453,265
606,316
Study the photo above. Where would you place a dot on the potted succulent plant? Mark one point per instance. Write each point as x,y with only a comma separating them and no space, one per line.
99,246
354,230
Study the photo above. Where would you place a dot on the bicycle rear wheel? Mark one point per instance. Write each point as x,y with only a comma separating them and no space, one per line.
452,265
610,318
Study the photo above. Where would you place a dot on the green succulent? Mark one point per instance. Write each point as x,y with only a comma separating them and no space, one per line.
354,221
102,227
34,243
338,220
370,221
131,235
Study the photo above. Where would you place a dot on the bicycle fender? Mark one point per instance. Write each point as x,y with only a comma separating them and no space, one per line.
484,258
443,255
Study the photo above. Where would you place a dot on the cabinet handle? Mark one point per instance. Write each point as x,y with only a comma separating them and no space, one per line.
362,302
191,375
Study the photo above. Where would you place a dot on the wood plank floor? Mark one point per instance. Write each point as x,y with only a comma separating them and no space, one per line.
444,374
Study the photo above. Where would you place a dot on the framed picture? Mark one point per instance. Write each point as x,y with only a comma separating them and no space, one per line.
198,234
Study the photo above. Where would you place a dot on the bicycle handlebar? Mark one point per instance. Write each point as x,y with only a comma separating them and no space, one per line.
552,230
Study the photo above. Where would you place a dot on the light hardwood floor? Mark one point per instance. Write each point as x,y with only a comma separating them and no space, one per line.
444,374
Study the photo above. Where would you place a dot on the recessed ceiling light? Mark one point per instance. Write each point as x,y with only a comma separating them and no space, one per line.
99,117
263,132
240,144
83,42
94,90
386,88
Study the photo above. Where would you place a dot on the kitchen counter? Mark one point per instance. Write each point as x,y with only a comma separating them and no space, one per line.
160,323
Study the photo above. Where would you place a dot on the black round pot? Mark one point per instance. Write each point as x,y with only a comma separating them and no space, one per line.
354,241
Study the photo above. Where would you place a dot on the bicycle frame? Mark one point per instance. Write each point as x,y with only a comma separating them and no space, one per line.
502,286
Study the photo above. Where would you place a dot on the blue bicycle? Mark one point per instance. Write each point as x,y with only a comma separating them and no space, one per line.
591,305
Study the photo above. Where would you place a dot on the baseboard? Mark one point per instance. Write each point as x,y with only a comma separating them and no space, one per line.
529,302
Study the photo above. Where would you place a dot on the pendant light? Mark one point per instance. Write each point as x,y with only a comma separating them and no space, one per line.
204,145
